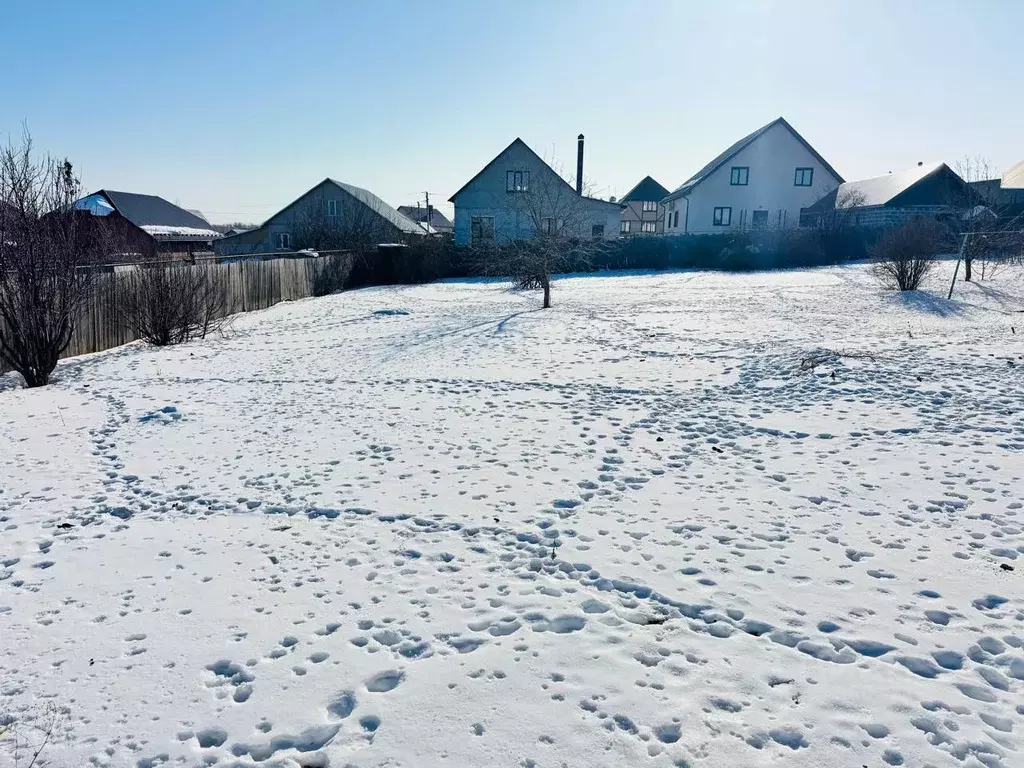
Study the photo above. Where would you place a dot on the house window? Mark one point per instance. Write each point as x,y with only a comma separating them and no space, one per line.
803,177
624,228
517,181
649,205
722,217
547,226
676,222
481,229
649,226
331,207
739,176
759,219
284,241
597,230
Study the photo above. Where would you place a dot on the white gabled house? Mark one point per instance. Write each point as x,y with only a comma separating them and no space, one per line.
760,182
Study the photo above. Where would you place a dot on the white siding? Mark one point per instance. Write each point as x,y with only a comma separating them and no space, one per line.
772,159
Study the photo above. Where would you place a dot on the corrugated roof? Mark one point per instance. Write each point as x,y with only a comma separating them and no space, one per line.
418,213
739,146
645,191
374,203
163,217
1014,178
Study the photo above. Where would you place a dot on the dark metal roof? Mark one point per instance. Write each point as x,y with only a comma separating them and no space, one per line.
739,146
150,210
647,190
417,213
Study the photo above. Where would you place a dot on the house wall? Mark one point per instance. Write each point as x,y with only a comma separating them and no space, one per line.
635,215
772,159
308,225
487,196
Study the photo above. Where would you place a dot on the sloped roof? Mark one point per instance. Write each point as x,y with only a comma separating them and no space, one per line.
419,214
367,198
1014,178
878,190
158,217
645,191
738,147
374,203
541,161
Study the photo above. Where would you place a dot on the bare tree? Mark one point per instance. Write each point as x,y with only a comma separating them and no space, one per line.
171,303
904,256
553,230
843,216
984,233
43,243
339,224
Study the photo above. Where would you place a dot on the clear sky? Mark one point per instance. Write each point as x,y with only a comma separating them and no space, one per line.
236,107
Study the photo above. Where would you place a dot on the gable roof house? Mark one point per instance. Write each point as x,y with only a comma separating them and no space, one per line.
332,215
760,182
517,193
153,226
644,213
438,221
1004,195
928,189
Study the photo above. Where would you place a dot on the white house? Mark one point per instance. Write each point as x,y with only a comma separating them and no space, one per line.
760,182
517,193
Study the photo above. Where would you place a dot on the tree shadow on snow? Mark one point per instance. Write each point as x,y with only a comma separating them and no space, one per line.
922,301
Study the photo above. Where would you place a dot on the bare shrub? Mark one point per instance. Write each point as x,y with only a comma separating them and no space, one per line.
26,739
171,303
904,256
43,242
332,274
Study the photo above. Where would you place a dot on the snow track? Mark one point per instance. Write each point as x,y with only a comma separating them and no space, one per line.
435,526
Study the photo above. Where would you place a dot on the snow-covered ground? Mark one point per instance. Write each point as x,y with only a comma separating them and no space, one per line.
437,526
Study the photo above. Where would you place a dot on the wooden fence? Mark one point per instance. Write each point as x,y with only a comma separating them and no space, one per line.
250,284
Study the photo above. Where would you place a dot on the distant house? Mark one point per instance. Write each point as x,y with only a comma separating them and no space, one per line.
438,221
932,190
762,181
643,213
517,193
1004,195
154,227
332,215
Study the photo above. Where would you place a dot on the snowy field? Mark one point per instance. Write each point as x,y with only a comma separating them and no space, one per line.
436,526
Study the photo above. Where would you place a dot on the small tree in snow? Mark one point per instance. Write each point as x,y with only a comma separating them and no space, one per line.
43,242
554,232
905,255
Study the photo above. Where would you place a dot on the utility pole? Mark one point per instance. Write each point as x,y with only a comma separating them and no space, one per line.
430,215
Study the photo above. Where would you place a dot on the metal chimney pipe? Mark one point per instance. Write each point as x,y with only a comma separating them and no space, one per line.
579,164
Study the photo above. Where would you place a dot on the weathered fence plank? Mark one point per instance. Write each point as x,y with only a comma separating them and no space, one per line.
250,284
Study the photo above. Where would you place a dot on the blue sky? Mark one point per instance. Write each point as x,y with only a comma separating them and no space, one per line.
236,108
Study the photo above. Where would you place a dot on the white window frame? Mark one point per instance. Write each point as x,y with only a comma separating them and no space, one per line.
284,241
721,216
649,226
331,208
649,205
624,227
